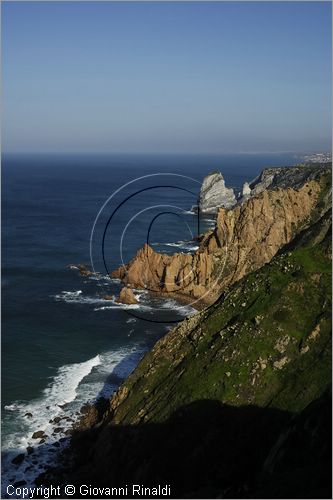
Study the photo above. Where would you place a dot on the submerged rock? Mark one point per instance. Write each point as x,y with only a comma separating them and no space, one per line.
214,194
127,296
18,459
108,297
82,268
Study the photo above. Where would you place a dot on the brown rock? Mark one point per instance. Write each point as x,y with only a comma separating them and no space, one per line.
89,417
57,430
56,420
127,296
38,435
244,239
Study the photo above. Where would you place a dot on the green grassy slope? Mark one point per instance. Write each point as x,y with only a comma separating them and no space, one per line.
266,342
232,403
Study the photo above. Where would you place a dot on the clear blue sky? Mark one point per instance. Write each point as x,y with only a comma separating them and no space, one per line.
166,77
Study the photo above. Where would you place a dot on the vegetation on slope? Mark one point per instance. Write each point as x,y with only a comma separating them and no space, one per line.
256,345
218,406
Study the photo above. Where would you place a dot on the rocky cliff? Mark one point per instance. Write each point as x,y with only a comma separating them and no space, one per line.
245,237
214,194
233,402
272,178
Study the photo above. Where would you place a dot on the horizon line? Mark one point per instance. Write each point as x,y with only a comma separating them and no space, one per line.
205,153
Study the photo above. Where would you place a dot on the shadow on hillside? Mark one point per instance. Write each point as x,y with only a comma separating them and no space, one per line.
122,370
210,450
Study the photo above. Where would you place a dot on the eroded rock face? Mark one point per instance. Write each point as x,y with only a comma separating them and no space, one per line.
227,374
244,239
127,296
284,178
214,194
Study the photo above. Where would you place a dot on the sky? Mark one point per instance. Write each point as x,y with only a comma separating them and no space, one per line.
187,77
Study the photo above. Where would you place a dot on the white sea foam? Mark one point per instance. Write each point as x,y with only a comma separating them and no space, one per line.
183,245
61,391
64,386
184,310
103,277
79,298
117,305
72,386
13,407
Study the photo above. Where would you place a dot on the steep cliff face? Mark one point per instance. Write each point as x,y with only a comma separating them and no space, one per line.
245,238
215,407
248,347
294,177
234,402
214,194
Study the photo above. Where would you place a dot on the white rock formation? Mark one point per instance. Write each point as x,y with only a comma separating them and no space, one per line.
214,194
246,189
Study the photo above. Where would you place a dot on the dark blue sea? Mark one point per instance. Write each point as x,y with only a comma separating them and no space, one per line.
63,344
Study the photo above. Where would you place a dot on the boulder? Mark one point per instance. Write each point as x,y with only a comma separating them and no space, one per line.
127,296
38,435
57,430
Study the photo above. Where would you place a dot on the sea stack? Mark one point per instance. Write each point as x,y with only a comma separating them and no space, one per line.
214,194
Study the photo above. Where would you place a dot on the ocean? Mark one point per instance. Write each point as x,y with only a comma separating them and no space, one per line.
63,343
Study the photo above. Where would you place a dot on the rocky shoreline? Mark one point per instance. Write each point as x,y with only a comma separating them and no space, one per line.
258,358
247,235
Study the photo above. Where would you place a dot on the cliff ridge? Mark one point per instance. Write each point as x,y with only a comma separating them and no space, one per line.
245,237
